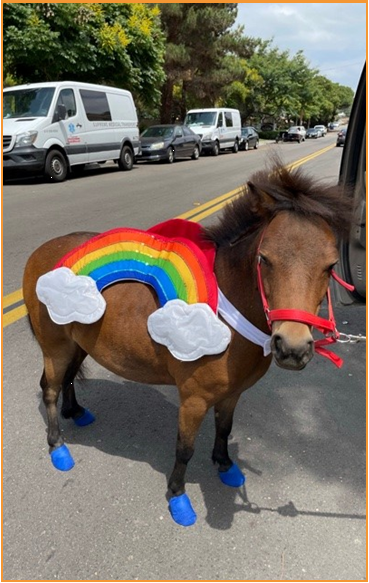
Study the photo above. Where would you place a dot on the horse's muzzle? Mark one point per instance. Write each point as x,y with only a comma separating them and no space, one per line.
291,355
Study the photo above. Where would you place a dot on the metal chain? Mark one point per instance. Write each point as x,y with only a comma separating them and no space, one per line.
350,338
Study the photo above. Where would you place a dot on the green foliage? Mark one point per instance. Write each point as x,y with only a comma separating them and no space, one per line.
116,44
171,56
269,135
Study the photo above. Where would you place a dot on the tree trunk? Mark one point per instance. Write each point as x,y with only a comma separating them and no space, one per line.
166,106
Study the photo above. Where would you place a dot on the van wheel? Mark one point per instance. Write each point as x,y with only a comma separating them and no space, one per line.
195,153
56,166
125,161
215,150
235,147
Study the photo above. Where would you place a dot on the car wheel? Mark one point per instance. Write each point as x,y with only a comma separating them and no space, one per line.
126,159
195,153
56,166
256,145
235,147
170,155
246,146
215,150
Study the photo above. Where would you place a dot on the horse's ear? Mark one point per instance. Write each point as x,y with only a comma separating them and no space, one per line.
261,202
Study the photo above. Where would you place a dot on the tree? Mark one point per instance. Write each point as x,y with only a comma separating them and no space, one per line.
200,55
115,44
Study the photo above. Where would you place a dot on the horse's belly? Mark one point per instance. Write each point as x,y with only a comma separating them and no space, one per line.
120,341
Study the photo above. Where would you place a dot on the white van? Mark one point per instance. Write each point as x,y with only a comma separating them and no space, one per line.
218,127
58,126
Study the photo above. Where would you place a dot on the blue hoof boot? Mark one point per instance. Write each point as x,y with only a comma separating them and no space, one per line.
61,459
85,419
232,477
182,511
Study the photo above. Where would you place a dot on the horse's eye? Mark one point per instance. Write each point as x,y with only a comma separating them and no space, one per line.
263,259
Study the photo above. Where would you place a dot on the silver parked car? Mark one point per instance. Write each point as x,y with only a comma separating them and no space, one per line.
322,128
295,134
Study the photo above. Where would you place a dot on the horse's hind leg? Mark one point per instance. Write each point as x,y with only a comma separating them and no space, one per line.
70,407
58,367
229,472
191,413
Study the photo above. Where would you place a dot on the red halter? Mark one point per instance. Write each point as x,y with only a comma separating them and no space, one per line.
327,327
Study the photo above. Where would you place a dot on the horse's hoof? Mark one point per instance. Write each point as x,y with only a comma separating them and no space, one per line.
181,510
61,459
85,419
232,477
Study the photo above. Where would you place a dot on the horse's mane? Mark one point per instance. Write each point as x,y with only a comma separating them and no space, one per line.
277,189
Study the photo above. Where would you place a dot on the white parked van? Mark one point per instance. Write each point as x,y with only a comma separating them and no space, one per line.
218,127
58,126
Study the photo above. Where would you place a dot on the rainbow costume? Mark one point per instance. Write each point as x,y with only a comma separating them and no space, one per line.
172,257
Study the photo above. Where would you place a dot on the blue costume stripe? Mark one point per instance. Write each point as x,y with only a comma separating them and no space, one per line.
130,269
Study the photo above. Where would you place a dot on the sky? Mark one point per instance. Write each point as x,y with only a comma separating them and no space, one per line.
331,36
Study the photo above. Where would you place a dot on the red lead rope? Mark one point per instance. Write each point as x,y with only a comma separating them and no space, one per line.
327,327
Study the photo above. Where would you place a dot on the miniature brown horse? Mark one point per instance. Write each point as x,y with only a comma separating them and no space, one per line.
283,220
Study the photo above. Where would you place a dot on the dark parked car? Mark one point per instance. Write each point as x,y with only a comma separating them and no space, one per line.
313,133
249,138
341,137
168,142
352,264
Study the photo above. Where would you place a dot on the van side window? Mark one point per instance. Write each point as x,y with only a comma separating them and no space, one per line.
228,118
220,120
96,105
66,97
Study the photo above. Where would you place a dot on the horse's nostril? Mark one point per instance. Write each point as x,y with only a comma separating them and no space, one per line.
295,355
276,343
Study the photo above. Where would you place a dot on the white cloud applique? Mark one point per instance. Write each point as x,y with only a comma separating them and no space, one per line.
69,297
189,331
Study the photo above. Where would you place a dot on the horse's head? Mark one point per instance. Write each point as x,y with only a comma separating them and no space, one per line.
296,257
292,224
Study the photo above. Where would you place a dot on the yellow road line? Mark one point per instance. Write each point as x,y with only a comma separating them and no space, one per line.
294,165
14,315
13,298
211,203
195,215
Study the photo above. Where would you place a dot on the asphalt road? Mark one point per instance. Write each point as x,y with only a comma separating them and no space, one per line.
299,437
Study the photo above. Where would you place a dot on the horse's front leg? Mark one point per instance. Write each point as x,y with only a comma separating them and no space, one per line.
229,472
191,413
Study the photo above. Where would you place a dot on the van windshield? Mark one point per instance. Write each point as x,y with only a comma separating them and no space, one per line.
201,118
27,102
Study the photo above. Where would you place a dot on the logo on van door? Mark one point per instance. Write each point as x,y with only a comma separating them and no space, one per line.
72,128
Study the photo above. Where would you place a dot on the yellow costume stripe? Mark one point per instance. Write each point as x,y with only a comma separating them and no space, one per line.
170,256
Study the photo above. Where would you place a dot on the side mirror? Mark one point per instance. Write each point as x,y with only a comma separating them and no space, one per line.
60,113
